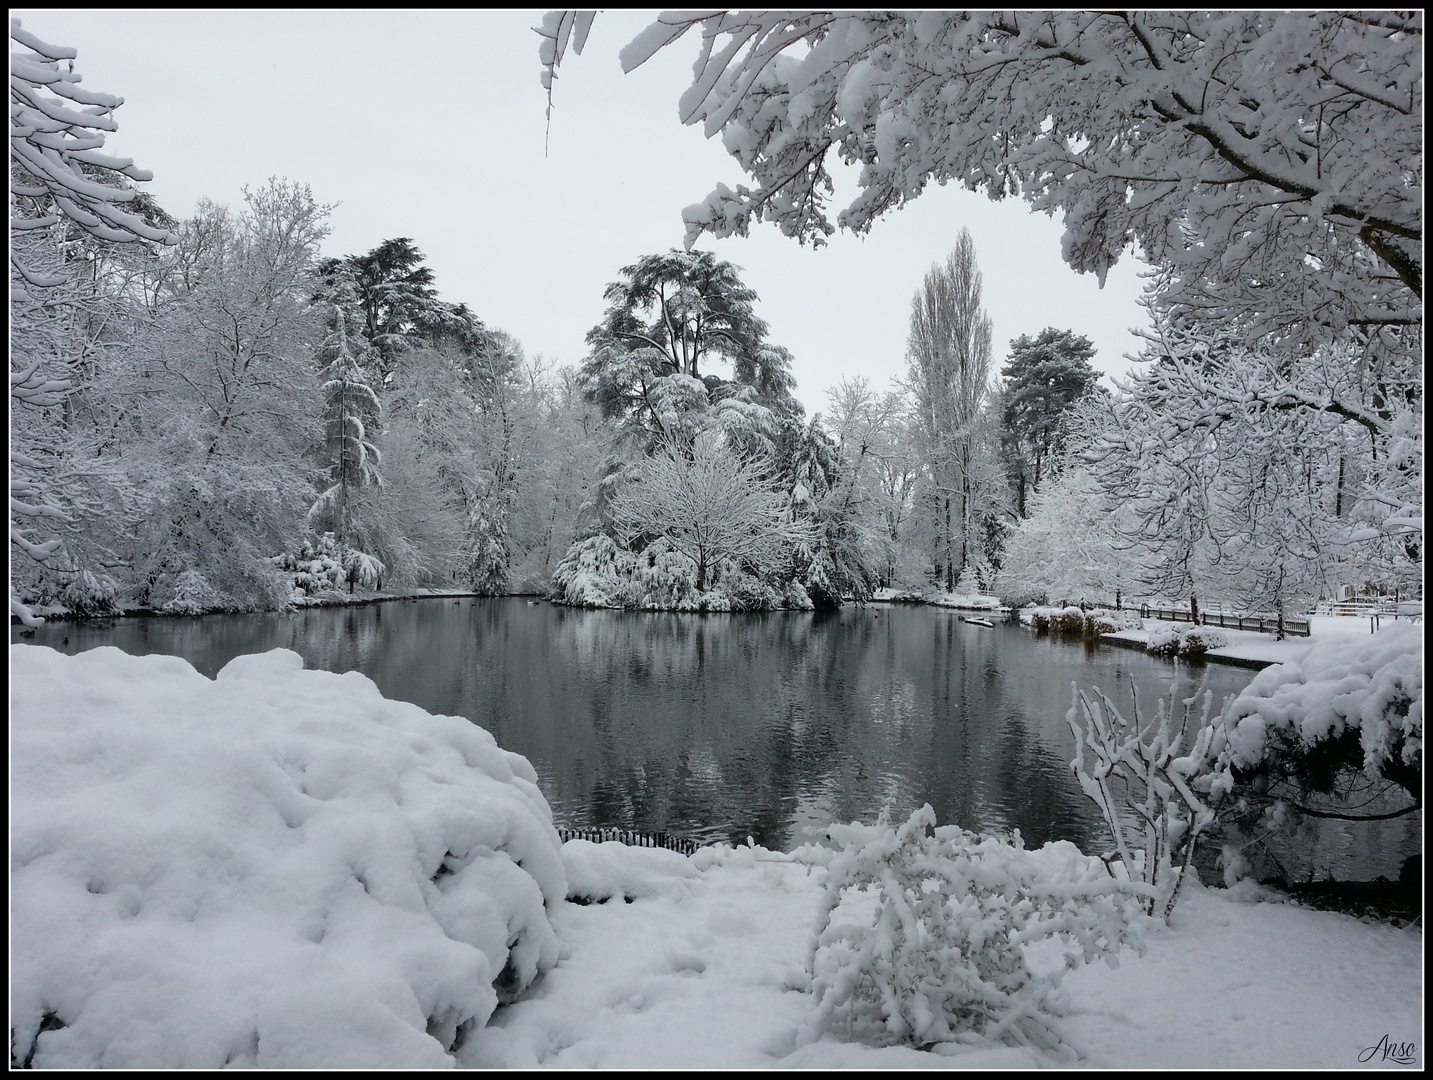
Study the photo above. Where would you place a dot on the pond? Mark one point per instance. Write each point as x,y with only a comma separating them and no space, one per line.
723,727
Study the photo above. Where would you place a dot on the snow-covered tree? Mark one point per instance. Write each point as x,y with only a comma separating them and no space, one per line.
949,356
1069,547
878,464
670,320
221,407
1280,475
351,416
1270,161
711,504
62,184
1044,377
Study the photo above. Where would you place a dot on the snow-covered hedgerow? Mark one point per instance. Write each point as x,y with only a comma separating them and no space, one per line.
276,868
1373,686
1185,641
1074,620
921,933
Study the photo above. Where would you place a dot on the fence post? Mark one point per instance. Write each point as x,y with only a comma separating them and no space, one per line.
1194,609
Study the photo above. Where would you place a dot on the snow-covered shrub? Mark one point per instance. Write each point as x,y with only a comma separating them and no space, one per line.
317,567
1106,621
362,569
1069,621
796,598
1371,689
1145,788
664,578
748,593
594,573
80,593
190,594
276,868
920,936
1185,641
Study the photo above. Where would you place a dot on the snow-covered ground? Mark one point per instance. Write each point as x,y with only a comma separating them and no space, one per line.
966,601
281,868
1249,645
705,969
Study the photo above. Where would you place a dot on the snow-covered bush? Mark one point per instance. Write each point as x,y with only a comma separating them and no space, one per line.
1145,788
1105,621
1370,691
317,567
276,868
663,578
920,936
594,573
82,592
191,594
322,566
796,598
1185,641
1073,621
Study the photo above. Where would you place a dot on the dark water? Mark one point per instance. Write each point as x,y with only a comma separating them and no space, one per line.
721,727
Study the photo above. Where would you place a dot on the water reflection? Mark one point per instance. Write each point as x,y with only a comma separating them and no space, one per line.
725,726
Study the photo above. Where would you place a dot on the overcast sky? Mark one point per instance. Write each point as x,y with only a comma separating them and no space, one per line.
430,125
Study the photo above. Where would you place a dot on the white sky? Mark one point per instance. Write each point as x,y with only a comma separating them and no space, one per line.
429,124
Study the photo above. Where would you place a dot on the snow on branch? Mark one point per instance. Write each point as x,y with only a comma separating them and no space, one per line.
1276,178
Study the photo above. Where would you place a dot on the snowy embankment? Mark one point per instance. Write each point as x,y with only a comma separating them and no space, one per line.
276,867
1251,647
281,868
965,601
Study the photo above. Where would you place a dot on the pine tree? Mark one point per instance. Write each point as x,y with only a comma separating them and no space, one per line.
1044,377
351,416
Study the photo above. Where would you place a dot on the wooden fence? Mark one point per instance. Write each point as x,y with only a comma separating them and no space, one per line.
1263,624
633,837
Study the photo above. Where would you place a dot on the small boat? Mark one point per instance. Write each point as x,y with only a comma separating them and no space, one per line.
974,621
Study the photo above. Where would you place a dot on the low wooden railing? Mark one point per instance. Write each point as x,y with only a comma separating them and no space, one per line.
1263,624
633,837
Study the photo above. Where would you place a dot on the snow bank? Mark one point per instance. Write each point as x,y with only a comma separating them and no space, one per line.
1373,685
276,868
964,600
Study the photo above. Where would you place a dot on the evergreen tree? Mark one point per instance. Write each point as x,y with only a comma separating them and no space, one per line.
1044,377
394,293
670,319
351,416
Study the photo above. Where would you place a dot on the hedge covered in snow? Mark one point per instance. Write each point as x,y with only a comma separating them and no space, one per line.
276,868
